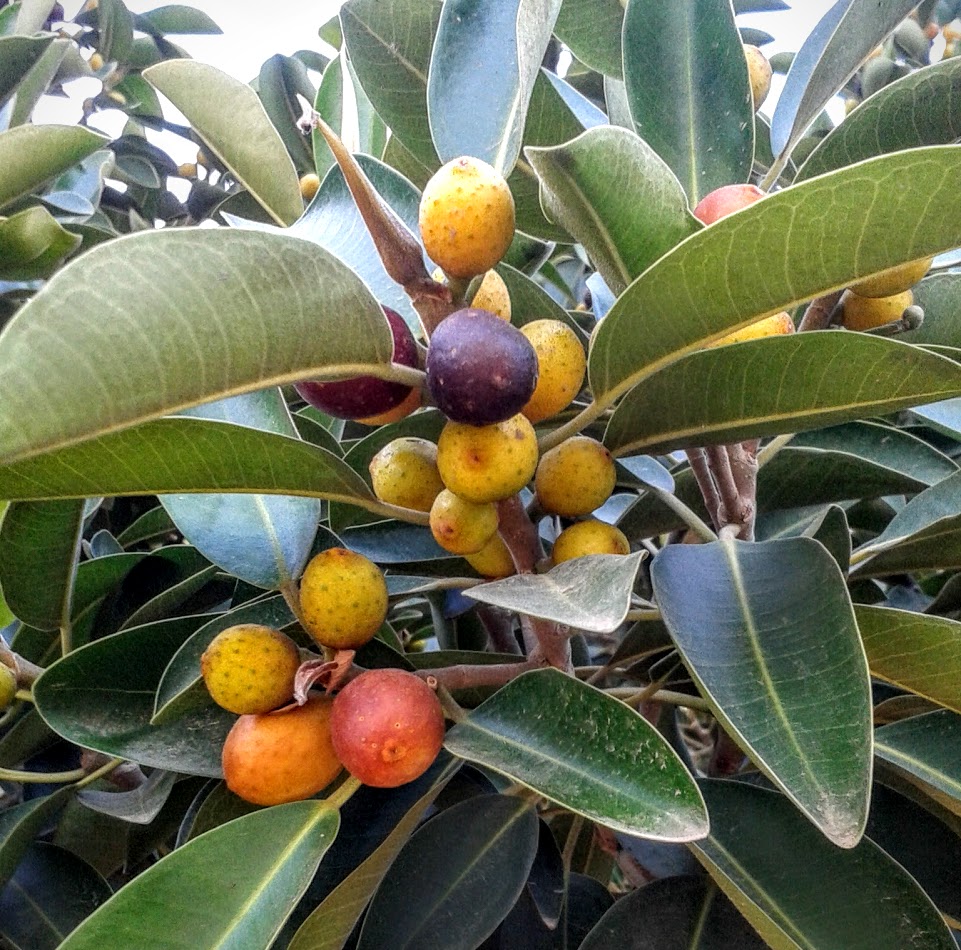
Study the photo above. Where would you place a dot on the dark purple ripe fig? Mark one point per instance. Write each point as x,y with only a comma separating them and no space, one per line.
480,369
363,396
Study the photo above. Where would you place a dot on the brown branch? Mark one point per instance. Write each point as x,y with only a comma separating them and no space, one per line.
25,671
500,628
705,482
469,675
820,312
743,463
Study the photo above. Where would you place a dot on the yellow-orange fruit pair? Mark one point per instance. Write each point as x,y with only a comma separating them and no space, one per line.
284,756
466,217
487,463
343,599
575,477
894,280
249,668
589,537
404,472
866,313
561,365
461,526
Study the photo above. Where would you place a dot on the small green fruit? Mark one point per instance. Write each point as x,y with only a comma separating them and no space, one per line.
8,686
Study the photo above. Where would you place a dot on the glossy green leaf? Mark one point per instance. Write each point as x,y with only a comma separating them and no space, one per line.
783,648
287,310
36,83
21,823
39,547
177,19
372,132
774,385
138,805
52,891
330,924
18,54
168,602
798,890
591,29
914,111
939,296
529,301
101,697
927,747
592,593
329,105
673,912
473,109
590,753
688,90
33,154
613,193
182,673
33,244
245,904
470,862
389,42
917,652
114,29
281,79
832,52
783,250
229,117
261,539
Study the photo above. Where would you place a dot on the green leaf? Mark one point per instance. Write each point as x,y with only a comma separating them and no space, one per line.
613,193
914,111
793,245
916,652
330,924
829,56
801,892
927,747
115,30
688,89
244,904
139,805
52,891
176,19
592,593
476,110
470,862
237,311
33,244
32,154
939,296
261,539
18,54
36,83
101,697
783,668
389,43
31,15
774,385
591,29
590,753
281,79
39,547
329,105
21,823
673,912
229,117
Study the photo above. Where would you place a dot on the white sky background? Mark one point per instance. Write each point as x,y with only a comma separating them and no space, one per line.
252,32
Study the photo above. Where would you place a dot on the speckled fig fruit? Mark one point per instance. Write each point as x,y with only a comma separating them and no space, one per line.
589,537
480,369
387,727
363,396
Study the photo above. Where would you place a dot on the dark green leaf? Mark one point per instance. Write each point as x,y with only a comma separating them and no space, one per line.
281,79
470,862
138,805
32,154
33,245
304,314
39,546
20,824
115,29
592,31
835,48
775,385
939,296
18,54
229,117
177,19
916,110
928,747
798,890
245,904
687,85
102,695
586,751
783,648
916,652
783,250
51,893
476,110
329,105
612,192
592,593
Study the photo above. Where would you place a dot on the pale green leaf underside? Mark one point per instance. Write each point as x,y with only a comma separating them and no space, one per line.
159,321
230,118
793,245
589,593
